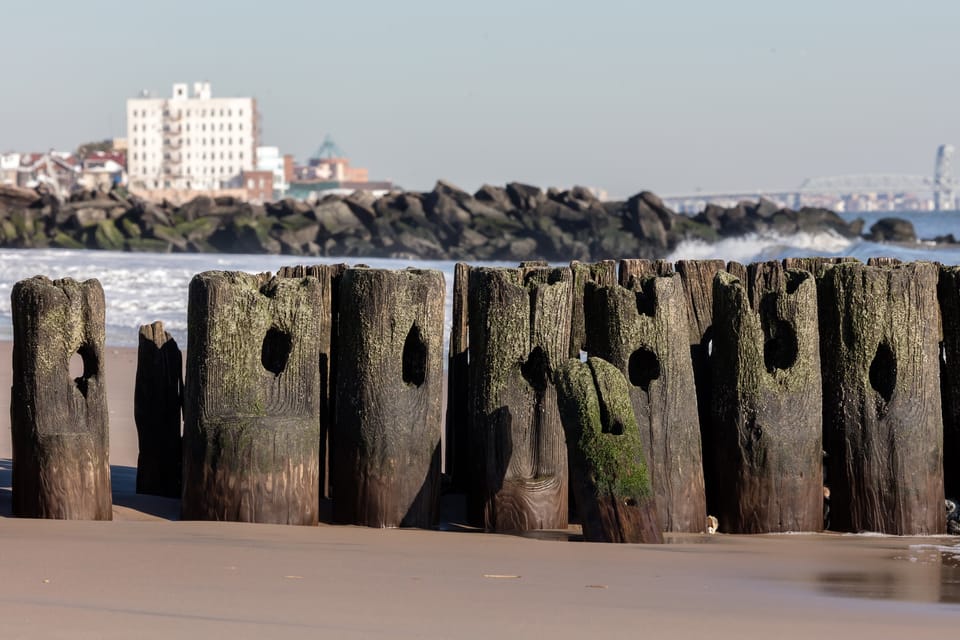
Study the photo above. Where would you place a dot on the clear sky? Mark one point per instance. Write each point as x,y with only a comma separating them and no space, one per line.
618,94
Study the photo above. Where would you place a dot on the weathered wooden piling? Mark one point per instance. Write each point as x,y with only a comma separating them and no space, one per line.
643,332
948,293
697,277
457,458
519,333
59,424
252,399
386,457
603,273
157,402
328,277
633,270
608,470
767,401
815,265
883,428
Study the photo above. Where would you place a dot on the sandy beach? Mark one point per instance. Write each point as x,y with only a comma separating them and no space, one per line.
148,575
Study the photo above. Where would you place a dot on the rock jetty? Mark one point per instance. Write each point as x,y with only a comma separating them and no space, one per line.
515,222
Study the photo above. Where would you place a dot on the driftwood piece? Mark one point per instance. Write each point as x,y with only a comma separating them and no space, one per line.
59,425
632,270
697,277
608,470
157,402
386,458
328,277
948,292
456,463
883,428
603,273
252,399
767,401
519,332
643,333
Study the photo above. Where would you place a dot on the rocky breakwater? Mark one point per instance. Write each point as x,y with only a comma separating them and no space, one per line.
516,222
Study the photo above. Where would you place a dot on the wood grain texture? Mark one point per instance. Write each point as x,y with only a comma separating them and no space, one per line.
632,270
604,273
59,425
697,277
157,402
457,462
328,277
883,426
608,471
386,460
643,332
767,401
252,399
519,333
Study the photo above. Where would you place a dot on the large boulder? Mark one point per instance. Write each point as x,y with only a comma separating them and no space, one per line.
892,230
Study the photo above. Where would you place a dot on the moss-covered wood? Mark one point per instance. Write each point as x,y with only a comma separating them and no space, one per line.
519,333
603,273
386,456
948,292
59,424
697,277
457,459
883,428
643,332
157,400
252,399
328,277
608,470
767,401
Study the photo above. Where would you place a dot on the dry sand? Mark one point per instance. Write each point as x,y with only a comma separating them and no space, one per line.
146,575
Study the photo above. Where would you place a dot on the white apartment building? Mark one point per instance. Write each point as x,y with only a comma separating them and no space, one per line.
190,141
270,159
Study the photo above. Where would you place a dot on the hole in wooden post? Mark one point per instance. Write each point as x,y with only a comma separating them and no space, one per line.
780,350
536,369
414,365
83,366
883,371
643,368
276,350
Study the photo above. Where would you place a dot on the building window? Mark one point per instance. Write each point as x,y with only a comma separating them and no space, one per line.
240,126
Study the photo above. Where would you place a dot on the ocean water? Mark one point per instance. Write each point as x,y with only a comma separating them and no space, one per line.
141,288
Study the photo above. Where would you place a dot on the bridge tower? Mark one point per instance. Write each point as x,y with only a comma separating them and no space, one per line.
944,182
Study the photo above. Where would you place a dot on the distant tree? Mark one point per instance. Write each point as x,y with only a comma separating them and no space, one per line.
90,147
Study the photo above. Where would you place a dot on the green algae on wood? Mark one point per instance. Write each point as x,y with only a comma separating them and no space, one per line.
883,426
643,332
252,399
59,424
608,470
767,401
519,326
389,385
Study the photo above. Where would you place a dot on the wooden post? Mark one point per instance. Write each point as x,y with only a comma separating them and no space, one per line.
157,400
643,333
328,276
457,433
252,399
632,270
948,292
519,333
608,471
603,273
883,428
697,277
386,462
816,265
59,425
767,401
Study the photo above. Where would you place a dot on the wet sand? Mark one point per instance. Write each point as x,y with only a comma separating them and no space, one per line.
147,575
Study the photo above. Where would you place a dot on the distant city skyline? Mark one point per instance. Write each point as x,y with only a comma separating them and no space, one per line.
611,95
